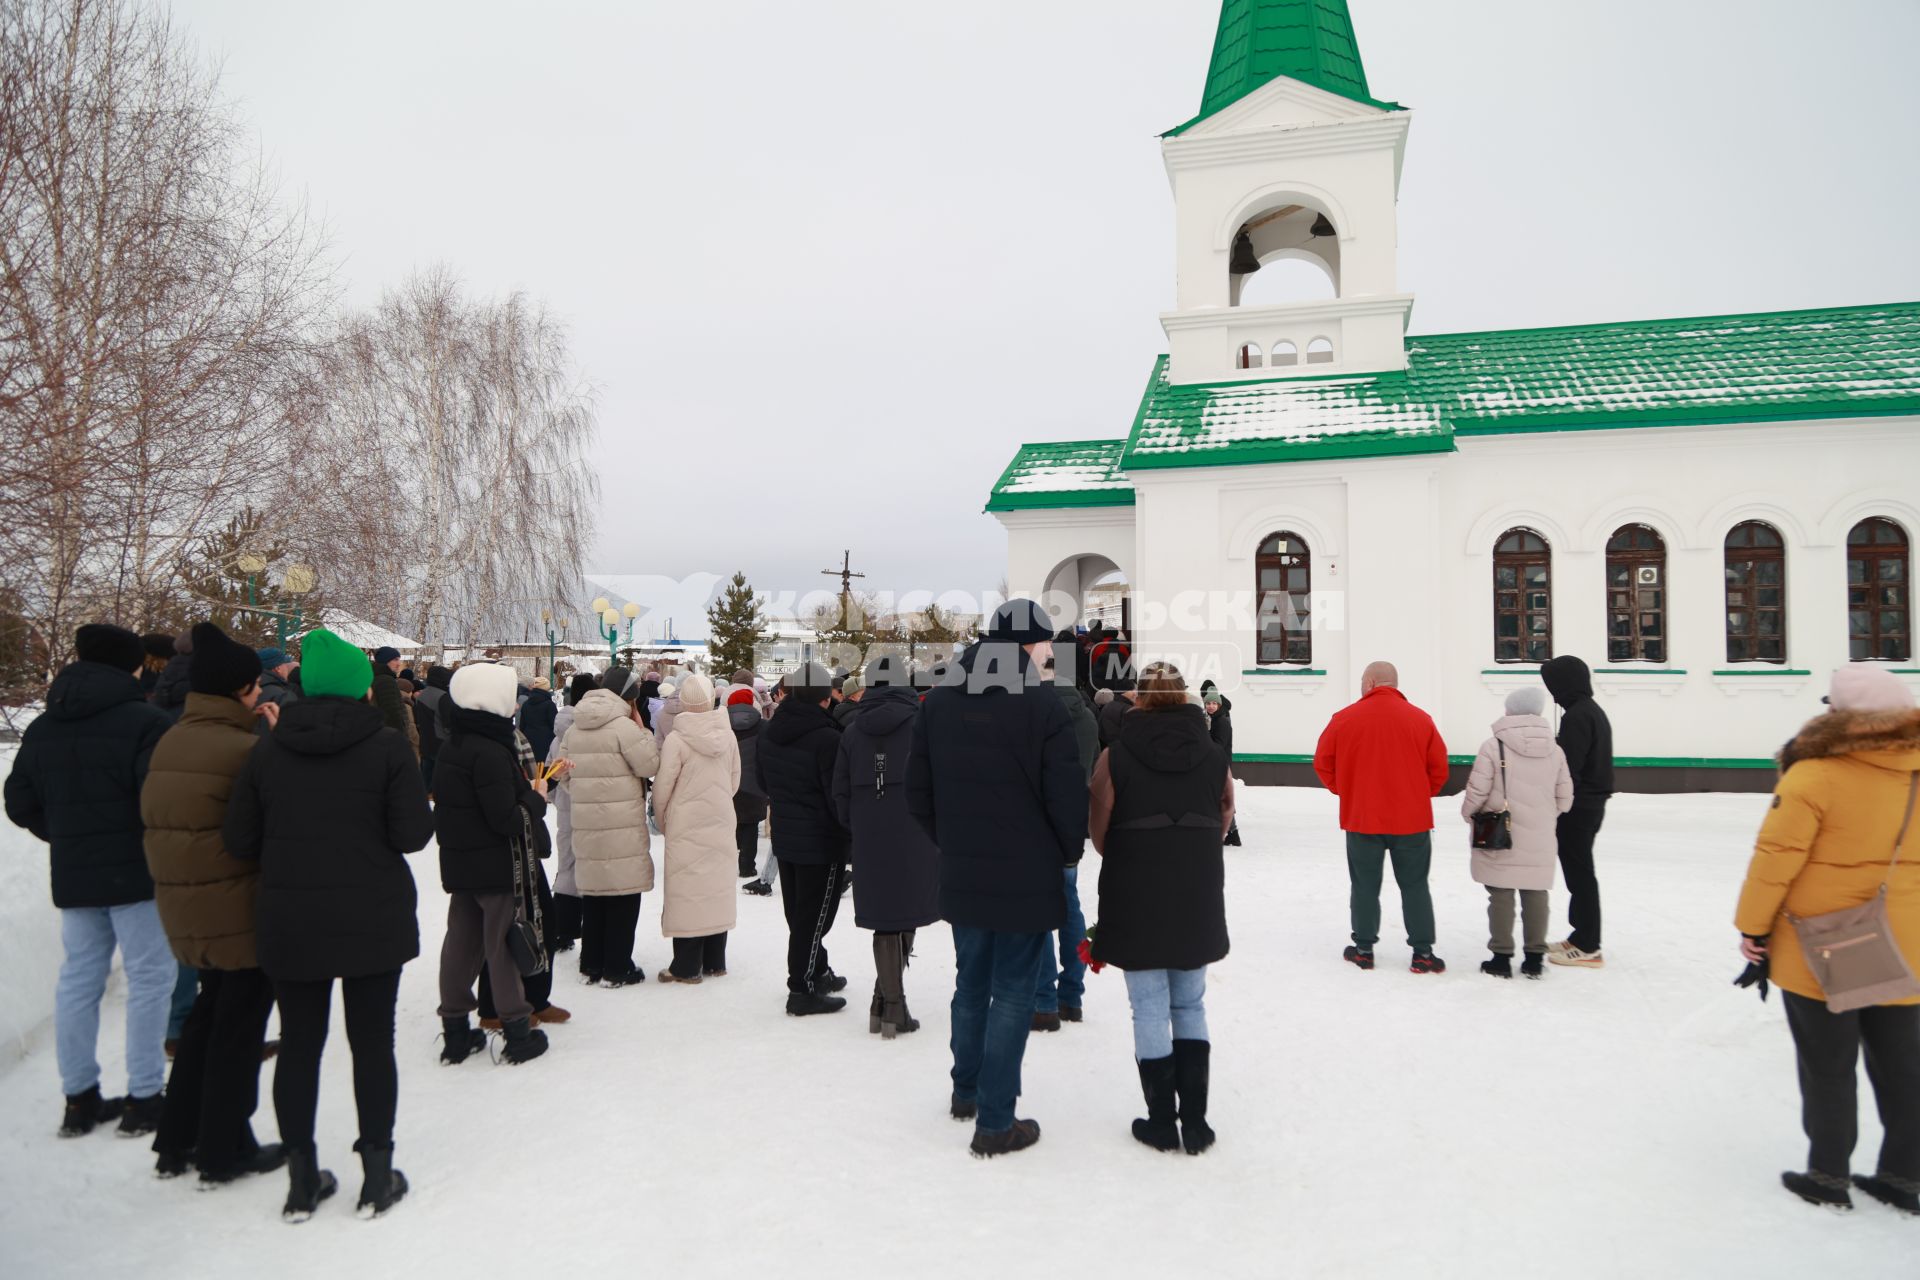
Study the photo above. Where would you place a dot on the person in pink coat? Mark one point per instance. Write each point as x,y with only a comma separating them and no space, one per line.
1521,770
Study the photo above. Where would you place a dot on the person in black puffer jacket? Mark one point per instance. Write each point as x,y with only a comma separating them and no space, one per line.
897,890
1162,802
171,689
750,802
1219,710
538,712
1586,738
331,803
76,785
482,801
794,766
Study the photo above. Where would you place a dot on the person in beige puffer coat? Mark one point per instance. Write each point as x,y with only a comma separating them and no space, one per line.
613,756
1535,789
693,799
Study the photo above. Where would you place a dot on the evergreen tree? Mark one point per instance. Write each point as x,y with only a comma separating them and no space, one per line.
736,626
244,605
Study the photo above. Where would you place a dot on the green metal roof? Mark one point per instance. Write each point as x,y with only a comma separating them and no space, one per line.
1063,473
1840,362
1261,40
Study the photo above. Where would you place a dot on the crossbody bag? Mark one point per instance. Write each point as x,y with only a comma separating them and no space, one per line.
1852,952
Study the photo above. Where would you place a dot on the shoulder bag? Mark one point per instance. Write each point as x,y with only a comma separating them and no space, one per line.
525,936
1493,828
1852,952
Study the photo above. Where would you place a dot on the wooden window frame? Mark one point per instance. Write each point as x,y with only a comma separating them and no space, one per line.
1632,644
1295,620
1747,639
1879,642
1527,646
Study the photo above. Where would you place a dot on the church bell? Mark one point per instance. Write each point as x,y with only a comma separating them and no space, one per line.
1243,262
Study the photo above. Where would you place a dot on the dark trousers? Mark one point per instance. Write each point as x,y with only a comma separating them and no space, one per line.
215,1084
538,988
565,924
1577,828
1366,864
811,897
477,925
992,1014
606,935
1828,1046
693,957
426,772
747,815
305,1008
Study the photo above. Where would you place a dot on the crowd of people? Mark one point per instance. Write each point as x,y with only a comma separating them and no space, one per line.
236,824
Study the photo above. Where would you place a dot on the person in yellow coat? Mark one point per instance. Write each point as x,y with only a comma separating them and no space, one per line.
1843,801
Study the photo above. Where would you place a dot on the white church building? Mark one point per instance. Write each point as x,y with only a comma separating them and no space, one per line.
1714,512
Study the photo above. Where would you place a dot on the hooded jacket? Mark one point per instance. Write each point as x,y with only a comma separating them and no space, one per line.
747,724
479,793
1162,800
995,779
432,697
1828,839
330,803
1385,760
538,716
205,894
896,880
1086,729
795,765
170,690
693,799
1535,789
1586,735
393,707
607,791
76,784
1220,727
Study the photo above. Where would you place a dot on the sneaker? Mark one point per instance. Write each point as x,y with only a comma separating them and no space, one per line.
87,1111
1501,966
805,1004
1573,957
141,1117
1359,957
1534,966
758,888
963,1108
1895,1193
1427,962
1822,1189
1049,1021
668,975
1022,1135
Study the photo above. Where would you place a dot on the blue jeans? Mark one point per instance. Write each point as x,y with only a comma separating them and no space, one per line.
89,935
1071,972
1168,1005
185,988
992,1014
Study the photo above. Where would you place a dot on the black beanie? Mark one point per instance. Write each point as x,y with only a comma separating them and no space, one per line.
583,683
159,644
110,646
219,665
810,682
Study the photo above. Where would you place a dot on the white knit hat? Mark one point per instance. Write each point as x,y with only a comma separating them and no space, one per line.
486,686
1868,689
696,693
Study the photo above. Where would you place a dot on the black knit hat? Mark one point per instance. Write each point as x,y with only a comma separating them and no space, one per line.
1021,621
159,644
110,646
886,671
582,684
810,682
219,665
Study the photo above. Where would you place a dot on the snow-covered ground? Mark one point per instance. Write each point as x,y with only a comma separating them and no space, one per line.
1625,1123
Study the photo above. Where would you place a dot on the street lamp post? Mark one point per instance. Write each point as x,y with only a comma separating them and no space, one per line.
296,581
546,616
608,622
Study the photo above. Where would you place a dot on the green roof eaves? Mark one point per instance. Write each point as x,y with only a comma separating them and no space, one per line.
1036,500
1724,415
1226,455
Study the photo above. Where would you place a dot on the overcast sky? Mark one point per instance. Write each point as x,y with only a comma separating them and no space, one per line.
828,263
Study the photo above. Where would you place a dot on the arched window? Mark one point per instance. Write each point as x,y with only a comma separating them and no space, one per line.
1320,351
1285,354
1879,591
1636,595
1756,594
1284,582
1522,597
1249,357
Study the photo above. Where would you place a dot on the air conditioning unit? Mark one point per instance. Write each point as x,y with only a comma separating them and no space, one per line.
1647,575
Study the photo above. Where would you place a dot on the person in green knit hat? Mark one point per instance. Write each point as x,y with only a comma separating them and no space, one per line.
331,802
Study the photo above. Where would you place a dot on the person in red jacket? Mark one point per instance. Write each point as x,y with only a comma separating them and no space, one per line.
1384,758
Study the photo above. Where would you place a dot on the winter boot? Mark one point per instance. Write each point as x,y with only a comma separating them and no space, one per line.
172,1164
874,1010
807,1003
141,1117
1897,1193
462,1040
1427,962
988,1145
963,1108
260,1160
552,1015
829,983
1071,1013
1359,957
1192,1065
1157,1083
1534,966
87,1111
1046,1020
307,1185
1501,966
525,1042
1823,1189
383,1186
890,962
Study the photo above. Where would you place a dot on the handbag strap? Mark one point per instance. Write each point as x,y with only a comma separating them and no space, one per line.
1503,773
1913,793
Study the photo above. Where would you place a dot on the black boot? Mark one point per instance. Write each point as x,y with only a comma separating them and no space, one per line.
307,1185
962,1108
1501,966
141,1116
890,961
462,1040
1192,1065
806,1003
1022,1135
1533,966
383,1185
1823,1189
1896,1193
525,1042
260,1160
1157,1083
87,1111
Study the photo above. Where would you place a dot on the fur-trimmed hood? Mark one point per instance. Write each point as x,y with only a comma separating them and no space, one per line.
1891,738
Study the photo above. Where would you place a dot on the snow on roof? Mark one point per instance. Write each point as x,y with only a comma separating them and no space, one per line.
361,633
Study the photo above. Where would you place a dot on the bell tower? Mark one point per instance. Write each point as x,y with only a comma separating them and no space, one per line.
1291,159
